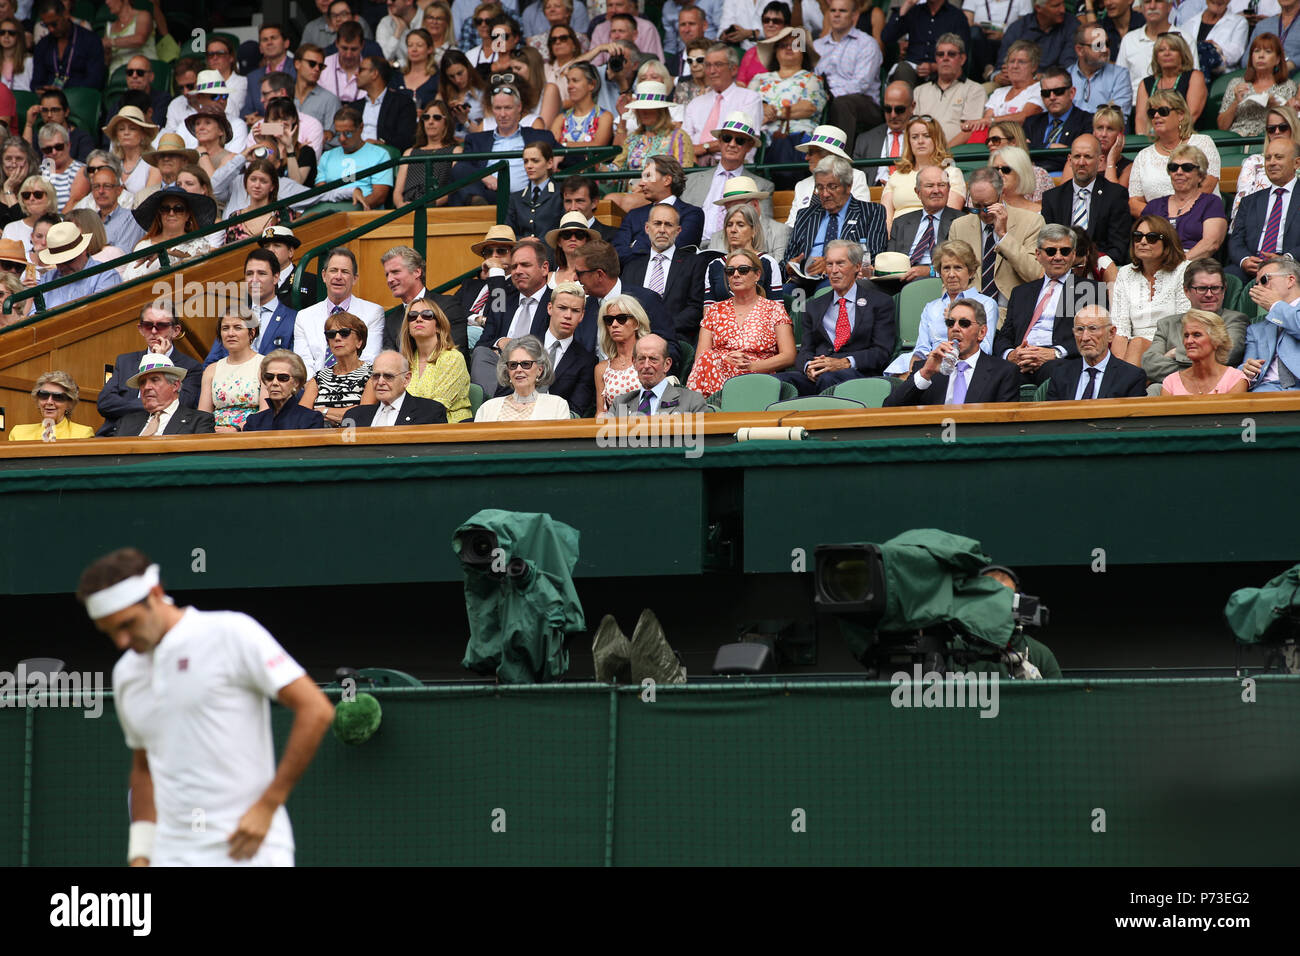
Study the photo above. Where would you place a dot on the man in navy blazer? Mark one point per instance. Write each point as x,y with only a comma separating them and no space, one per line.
984,378
679,272
1273,344
830,354
662,181
160,329
1109,222
508,137
506,308
1107,376
395,125
395,405
575,366
599,274
1061,122
1246,246
833,213
1032,336
275,319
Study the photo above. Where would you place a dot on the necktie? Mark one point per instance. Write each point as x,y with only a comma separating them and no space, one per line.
715,114
656,282
644,407
1081,202
532,195
924,242
959,384
477,307
832,230
1038,309
151,427
1054,134
718,214
895,150
329,353
1091,390
523,319
988,286
385,413
555,354
1274,225
842,325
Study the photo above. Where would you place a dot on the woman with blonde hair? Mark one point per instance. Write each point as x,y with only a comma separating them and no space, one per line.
1207,344
655,133
1008,133
1148,288
1108,127
1017,177
622,321
742,229
1280,122
55,405
36,197
1171,127
438,369
924,144
1171,69
419,78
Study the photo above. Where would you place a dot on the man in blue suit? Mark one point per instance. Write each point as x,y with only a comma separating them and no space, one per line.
598,272
1268,222
275,319
160,329
1107,376
834,215
1273,344
662,181
508,137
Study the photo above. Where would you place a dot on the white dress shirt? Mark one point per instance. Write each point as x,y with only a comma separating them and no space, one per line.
309,331
265,312
525,312
882,172
1083,376
667,264
550,340
386,414
164,418
1091,186
922,383
1268,209
370,115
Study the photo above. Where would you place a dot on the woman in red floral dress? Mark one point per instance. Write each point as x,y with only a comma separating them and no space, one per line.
746,333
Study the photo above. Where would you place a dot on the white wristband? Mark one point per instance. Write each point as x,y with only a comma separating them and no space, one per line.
140,843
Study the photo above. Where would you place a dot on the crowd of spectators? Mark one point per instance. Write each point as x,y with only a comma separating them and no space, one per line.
1062,262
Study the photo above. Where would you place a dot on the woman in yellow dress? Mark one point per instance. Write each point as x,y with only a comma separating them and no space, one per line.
438,369
56,396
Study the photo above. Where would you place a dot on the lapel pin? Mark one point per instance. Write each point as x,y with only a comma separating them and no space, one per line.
862,302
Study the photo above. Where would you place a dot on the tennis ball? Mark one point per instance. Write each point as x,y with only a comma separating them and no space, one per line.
355,721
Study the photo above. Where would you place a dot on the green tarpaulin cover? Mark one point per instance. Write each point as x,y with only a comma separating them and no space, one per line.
1252,611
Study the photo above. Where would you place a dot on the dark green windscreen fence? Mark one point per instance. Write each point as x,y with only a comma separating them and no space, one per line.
1177,772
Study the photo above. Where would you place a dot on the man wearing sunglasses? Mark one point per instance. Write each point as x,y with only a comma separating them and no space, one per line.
1061,123
140,77
1097,81
513,309
705,188
956,102
1267,224
1004,238
1135,50
1273,345
159,328
1040,315
308,95
976,378
887,139
920,23
350,160
1205,286
394,405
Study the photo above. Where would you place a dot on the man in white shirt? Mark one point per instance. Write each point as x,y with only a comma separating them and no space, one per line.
976,377
1136,48
574,366
210,88
192,692
403,17
723,98
339,276
850,62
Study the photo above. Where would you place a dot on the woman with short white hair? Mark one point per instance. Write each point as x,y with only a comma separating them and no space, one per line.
525,366
1017,177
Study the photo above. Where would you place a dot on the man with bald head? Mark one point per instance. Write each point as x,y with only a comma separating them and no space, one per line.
1095,373
656,396
1091,201
140,76
915,234
888,138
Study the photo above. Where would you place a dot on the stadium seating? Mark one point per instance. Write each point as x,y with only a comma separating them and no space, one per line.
871,392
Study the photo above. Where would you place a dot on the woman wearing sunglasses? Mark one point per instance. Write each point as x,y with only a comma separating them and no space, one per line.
744,333
524,367
336,390
1017,178
775,19
622,321
283,375
1198,217
1265,75
438,370
419,78
231,389
1171,127
35,199
15,63
435,134
1171,69
17,161
165,216
1007,133
1280,122
559,47
56,396
688,88
1148,288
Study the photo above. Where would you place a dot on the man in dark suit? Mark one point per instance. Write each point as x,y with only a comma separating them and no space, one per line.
838,216
162,412
915,234
1062,121
160,329
976,377
495,248
395,125
404,275
275,320
1267,223
575,366
1092,202
848,334
514,307
656,396
508,137
1106,376
581,195
394,405
662,181
598,271
668,269
887,139
1040,315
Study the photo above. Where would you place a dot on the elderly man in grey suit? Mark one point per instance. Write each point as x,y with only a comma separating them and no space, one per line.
1205,286
915,234
744,191
656,396
737,137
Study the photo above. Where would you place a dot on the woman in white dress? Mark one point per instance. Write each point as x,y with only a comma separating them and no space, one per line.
1147,289
1171,127
1022,99
923,145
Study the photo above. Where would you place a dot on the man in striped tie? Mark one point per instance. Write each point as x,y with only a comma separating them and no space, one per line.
667,269
1267,224
1091,202
916,233
1061,123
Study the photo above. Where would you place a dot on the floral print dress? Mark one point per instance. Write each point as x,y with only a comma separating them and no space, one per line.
756,337
779,93
236,391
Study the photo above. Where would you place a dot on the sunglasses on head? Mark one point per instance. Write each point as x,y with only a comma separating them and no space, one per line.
742,270
612,317
45,395
1151,237
960,323
1275,129
896,110
1172,168
33,194
337,333
1155,111
526,364
1054,251
269,377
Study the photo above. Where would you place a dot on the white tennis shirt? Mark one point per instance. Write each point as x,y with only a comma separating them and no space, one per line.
199,705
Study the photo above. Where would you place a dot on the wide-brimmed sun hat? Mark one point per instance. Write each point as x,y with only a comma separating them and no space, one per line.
830,138
152,362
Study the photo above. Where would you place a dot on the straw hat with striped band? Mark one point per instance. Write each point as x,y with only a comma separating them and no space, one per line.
830,138
737,122
209,83
738,189
572,222
651,96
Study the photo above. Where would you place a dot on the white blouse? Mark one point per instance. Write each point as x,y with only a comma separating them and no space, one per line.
1150,178
1002,103
1135,311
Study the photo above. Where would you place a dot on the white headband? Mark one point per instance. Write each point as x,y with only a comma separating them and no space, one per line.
122,594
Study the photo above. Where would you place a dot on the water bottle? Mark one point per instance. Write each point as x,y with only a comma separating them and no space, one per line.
949,363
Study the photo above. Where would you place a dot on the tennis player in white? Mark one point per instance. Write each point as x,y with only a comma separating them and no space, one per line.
192,694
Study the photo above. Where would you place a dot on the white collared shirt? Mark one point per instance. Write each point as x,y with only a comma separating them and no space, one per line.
386,414
370,116
922,383
522,323
1083,376
1289,191
933,218
564,344
164,418
657,391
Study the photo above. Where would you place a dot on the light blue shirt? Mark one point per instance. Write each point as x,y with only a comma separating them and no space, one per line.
534,21
1083,377
932,331
657,391
81,287
1110,84
712,10
336,164
514,143
819,240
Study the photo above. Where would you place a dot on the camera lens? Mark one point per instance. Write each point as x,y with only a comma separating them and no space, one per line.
847,580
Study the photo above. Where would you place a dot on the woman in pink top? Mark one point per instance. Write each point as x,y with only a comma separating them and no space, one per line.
1206,340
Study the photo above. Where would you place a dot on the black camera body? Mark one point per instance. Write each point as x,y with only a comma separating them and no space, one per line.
617,63
1029,611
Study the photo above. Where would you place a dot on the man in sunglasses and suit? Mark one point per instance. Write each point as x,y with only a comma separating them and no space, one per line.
1056,128
976,377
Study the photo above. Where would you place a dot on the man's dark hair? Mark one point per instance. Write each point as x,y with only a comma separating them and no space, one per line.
380,66
1058,73
575,184
351,31
1207,266
667,166
264,255
540,249
111,568
343,251
56,94
598,254
349,114
47,6
284,34
280,82
626,18
188,64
